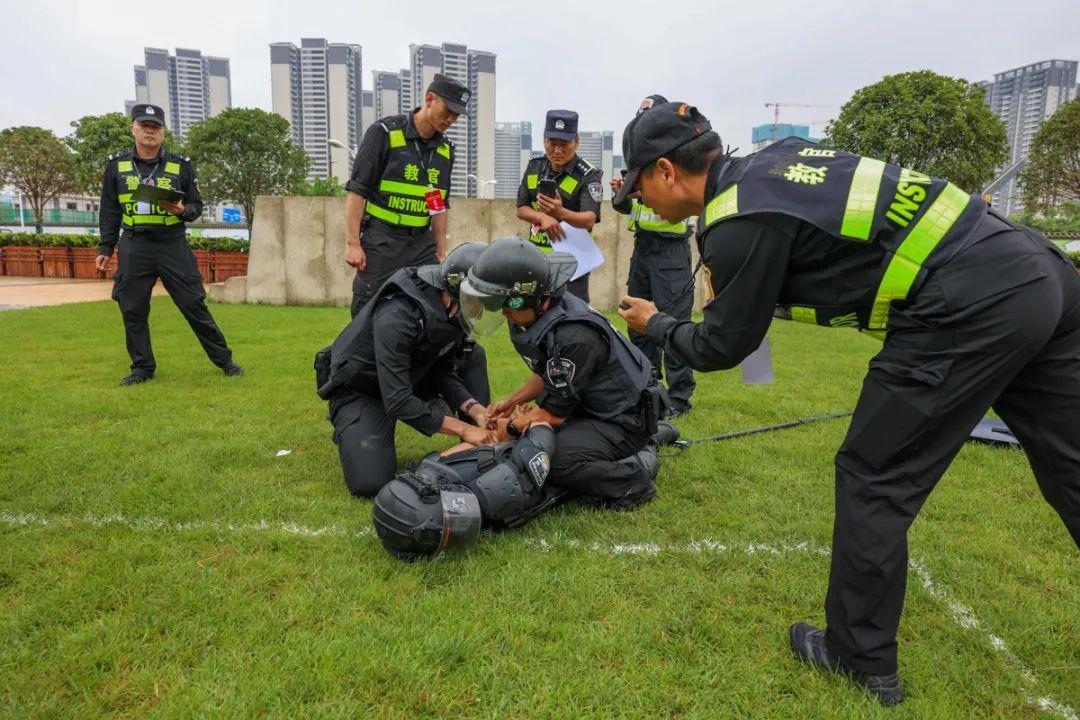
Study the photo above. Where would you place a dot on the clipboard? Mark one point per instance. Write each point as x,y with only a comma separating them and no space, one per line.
153,194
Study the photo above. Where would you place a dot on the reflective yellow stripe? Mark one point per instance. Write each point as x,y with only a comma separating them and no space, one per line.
400,188
124,197
396,218
804,315
444,150
124,166
540,240
172,168
397,139
723,205
643,218
862,199
151,220
530,181
906,263
568,185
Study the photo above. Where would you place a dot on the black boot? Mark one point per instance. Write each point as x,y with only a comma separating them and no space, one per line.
642,490
808,644
135,379
233,370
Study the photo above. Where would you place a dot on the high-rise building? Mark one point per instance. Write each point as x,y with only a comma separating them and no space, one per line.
598,148
513,150
367,111
762,136
318,89
473,135
1022,98
189,86
386,87
617,166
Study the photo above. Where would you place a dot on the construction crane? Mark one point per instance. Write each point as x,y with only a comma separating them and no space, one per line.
776,112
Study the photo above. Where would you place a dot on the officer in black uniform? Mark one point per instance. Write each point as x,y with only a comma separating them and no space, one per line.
395,209
975,312
560,187
661,271
589,382
396,355
153,244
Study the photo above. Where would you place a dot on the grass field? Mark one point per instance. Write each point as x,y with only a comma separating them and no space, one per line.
158,559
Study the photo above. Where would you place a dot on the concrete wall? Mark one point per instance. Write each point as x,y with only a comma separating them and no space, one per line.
298,249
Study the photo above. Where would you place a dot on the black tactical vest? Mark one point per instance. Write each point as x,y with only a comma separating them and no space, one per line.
919,221
165,175
411,170
571,182
352,355
617,388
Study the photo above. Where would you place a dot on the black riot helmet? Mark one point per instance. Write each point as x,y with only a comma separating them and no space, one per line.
454,269
425,511
511,273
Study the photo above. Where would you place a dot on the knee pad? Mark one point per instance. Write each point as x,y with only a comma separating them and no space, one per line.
500,492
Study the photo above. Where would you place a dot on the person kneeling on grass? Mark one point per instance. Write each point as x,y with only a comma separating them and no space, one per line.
405,348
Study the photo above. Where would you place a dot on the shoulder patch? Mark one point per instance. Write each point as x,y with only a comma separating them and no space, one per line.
596,191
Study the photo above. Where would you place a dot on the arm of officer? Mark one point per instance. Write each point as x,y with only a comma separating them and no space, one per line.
397,326
108,216
747,260
192,203
528,392
590,197
438,229
581,349
366,172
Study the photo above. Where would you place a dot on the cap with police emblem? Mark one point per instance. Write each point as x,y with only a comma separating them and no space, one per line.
650,102
148,113
454,93
560,125
652,135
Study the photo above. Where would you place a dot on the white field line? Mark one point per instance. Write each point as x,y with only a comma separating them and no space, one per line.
962,615
167,526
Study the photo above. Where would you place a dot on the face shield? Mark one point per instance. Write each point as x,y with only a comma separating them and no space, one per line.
461,519
481,307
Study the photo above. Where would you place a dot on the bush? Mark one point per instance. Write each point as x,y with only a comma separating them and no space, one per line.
222,244
1075,255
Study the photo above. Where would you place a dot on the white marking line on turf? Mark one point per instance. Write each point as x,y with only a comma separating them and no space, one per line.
962,615
162,525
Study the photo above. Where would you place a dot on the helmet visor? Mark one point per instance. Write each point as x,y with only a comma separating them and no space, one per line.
480,309
461,520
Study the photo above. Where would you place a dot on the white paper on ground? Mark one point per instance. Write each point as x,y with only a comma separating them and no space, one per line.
580,244
757,368
283,453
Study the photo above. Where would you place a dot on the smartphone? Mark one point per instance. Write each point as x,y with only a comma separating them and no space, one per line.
546,186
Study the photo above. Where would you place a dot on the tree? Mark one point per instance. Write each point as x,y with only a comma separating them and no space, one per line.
322,187
95,138
925,121
244,153
1052,174
35,161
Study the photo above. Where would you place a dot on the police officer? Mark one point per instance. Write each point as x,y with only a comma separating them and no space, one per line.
397,354
560,187
660,270
588,381
395,209
153,244
974,312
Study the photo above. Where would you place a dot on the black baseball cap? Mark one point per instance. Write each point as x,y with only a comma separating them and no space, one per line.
454,93
148,113
651,102
652,135
561,125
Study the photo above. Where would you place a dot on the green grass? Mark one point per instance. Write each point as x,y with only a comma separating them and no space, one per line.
167,564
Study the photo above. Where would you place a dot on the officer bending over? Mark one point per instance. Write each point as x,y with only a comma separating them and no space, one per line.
975,312
589,383
399,353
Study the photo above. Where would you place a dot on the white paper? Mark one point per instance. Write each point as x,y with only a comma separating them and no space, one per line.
142,208
580,244
283,453
757,368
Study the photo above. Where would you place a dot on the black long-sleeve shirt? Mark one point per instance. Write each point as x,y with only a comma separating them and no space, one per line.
755,263
110,212
581,350
397,326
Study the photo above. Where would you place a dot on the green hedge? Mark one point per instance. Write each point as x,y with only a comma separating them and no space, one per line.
61,240
1075,258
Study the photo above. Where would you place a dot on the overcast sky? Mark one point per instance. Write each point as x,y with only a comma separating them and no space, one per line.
62,60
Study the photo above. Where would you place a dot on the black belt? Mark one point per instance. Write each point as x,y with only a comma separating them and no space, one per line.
655,241
391,229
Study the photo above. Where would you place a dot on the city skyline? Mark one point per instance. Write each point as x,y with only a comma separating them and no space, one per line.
730,79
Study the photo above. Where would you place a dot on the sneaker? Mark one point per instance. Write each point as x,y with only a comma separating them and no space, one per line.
808,644
135,379
233,370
